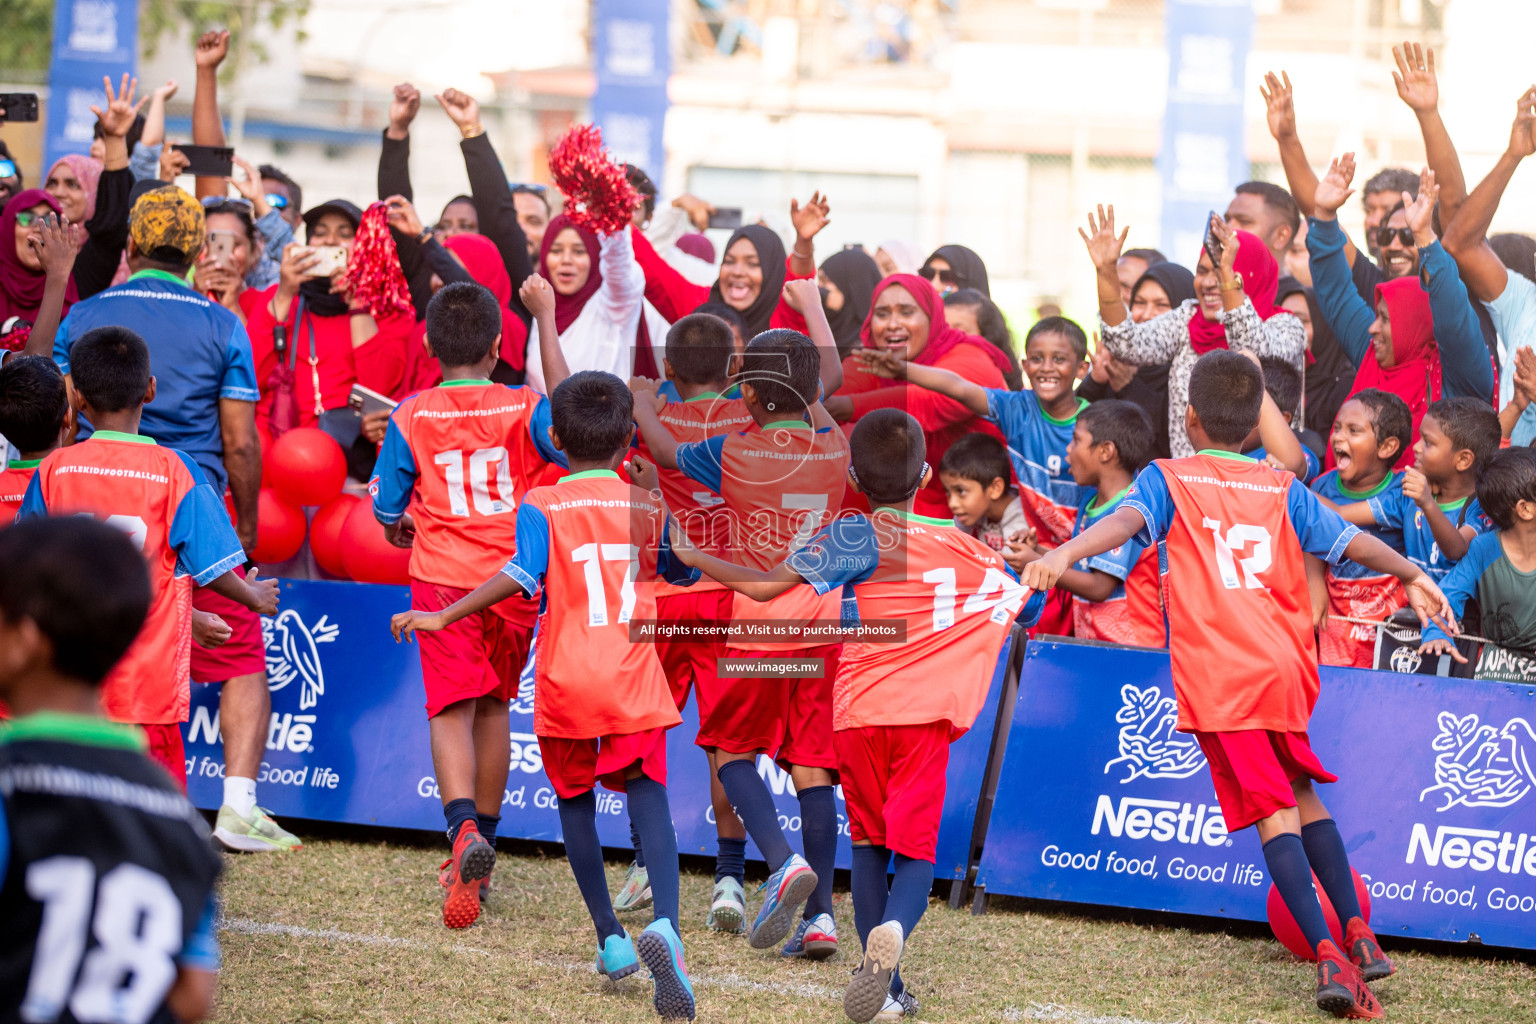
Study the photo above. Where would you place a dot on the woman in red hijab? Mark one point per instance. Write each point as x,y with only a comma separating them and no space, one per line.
23,278
906,318
1234,307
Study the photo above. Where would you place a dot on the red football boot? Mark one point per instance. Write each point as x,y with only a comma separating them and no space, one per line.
472,859
1340,989
1365,953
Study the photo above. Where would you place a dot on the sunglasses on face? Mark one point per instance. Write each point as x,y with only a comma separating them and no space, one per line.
942,276
534,187
26,218
277,202
215,203
7,168
1384,237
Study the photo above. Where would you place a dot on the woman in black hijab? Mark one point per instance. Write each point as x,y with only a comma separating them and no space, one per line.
953,267
753,268
847,280
1330,375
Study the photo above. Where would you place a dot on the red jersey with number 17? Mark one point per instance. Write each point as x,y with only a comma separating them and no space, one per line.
468,451
1239,612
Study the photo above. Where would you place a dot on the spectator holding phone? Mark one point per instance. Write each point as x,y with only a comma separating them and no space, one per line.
231,251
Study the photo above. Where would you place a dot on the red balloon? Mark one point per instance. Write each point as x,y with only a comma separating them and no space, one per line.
279,528
368,557
1289,932
325,541
307,466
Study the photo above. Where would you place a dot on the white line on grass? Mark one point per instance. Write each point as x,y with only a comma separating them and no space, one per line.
1065,1014
245,926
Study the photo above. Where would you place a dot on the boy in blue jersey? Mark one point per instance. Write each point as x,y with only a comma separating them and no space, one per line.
1371,433
1499,568
1436,507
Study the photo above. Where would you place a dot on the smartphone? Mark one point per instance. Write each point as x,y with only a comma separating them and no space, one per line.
1212,243
332,259
208,161
219,250
727,218
18,106
365,400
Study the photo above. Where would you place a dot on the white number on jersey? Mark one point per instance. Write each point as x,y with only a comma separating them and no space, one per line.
597,596
1010,595
137,925
480,463
1238,537
133,526
812,509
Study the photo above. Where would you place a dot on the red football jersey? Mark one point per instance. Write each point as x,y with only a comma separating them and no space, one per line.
14,479
600,540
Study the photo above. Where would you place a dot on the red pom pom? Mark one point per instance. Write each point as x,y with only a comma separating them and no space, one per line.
373,270
370,558
279,528
597,195
307,466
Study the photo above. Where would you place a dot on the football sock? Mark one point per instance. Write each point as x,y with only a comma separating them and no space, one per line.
730,859
909,892
578,823
1325,852
458,812
1286,858
749,794
487,823
240,794
871,887
651,813
634,840
818,830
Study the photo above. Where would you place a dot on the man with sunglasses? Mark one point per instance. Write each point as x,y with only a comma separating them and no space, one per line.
10,176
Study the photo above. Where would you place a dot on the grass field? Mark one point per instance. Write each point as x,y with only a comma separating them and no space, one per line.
348,929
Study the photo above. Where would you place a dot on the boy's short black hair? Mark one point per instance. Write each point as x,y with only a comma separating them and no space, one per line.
1390,417
978,457
1226,391
277,174
82,582
1124,424
463,322
699,349
594,415
33,402
1276,199
1069,329
1469,424
1283,382
888,450
732,318
1509,478
110,368
784,369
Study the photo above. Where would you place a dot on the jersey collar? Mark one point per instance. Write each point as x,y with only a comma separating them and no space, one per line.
34,463
914,517
1082,403
465,382
1386,482
1221,454
1094,509
589,474
87,729
787,425
164,275
118,435
703,396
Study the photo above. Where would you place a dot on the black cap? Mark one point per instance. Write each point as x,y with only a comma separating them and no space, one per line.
341,206
145,186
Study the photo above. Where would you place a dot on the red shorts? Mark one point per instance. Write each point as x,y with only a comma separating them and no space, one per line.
166,749
691,663
481,655
243,654
788,719
1253,771
893,782
575,766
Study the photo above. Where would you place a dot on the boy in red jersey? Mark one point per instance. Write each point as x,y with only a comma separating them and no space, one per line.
781,482
591,544
160,498
1115,594
700,356
461,456
1235,531
33,411
896,706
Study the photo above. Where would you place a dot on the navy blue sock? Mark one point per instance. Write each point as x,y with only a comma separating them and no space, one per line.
1286,858
871,888
909,892
578,823
651,814
634,840
749,794
487,824
818,830
1330,862
458,812
731,859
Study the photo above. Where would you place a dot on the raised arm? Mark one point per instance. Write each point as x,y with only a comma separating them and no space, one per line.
805,297
207,125
1108,533
1418,87
56,244
488,187
1346,312
395,155
1464,362
808,220
931,378
539,298
658,439
1466,235
1104,250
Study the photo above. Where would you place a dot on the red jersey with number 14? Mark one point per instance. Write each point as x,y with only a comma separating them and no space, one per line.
1239,612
